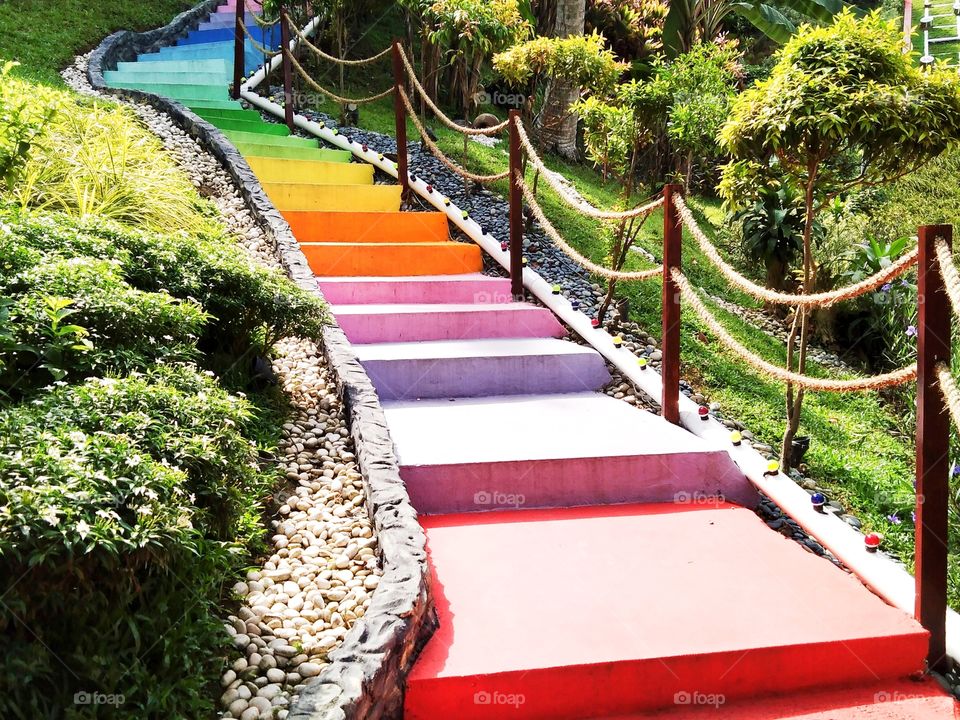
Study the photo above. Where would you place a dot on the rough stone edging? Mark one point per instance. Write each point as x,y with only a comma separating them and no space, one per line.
365,678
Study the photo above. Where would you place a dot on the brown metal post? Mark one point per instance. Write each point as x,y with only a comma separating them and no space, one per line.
400,113
287,69
670,303
516,210
239,41
933,438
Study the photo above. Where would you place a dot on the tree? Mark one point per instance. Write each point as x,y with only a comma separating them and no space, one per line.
633,28
556,125
844,108
691,21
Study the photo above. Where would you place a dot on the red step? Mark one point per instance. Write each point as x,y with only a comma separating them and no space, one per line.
603,611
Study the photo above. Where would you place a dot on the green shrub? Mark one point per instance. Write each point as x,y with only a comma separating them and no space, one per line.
125,508
23,118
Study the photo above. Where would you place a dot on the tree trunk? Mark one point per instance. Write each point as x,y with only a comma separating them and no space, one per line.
556,126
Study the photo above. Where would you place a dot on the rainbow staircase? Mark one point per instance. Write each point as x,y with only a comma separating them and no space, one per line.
589,560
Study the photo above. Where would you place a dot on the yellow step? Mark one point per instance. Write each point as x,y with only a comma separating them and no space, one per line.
278,170
356,198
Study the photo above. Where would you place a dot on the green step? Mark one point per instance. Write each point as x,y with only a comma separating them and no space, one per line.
293,153
213,104
113,77
201,66
178,91
252,127
231,114
262,139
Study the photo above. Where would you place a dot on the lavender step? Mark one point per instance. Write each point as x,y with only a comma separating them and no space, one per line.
476,368
469,288
473,454
412,323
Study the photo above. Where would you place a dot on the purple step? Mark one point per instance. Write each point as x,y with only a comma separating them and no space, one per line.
412,323
474,454
437,289
477,368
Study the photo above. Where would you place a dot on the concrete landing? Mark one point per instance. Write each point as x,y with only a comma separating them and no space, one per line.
554,451
475,368
596,612
411,323
431,289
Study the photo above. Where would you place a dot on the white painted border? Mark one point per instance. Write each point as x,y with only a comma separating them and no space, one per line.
884,575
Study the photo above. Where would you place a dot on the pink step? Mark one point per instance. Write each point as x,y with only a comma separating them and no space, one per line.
606,611
431,289
377,323
480,454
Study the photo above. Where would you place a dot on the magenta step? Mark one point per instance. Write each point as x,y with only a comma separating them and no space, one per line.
410,323
477,368
530,451
470,288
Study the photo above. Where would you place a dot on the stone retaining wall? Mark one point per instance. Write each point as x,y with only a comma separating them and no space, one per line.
366,675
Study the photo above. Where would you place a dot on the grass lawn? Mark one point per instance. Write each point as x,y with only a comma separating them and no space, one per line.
45,35
943,26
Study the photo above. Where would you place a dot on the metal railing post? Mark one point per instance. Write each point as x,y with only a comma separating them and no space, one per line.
400,114
670,340
934,317
287,69
516,210
239,43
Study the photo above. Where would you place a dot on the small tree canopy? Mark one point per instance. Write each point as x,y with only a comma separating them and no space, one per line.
844,106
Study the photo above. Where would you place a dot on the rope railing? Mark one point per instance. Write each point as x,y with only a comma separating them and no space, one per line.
332,95
874,382
948,270
578,204
438,153
582,261
258,18
415,81
821,299
331,58
257,45
951,394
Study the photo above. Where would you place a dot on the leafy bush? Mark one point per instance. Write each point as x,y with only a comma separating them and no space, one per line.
23,118
125,505
772,229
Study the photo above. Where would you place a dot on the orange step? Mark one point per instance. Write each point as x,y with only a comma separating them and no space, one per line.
368,227
392,259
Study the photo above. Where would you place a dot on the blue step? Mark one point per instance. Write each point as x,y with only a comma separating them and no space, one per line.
265,36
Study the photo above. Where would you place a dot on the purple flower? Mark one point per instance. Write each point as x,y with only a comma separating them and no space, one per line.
911,331
894,519
955,470
905,283
885,287
913,516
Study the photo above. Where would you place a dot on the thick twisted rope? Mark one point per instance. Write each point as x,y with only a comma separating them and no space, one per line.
822,299
257,45
258,19
874,382
333,96
578,204
331,58
438,153
951,279
582,261
948,387
438,112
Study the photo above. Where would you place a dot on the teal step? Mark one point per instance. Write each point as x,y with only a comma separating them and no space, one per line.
178,91
117,77
293,153
229,114
237,136
252,127
218,65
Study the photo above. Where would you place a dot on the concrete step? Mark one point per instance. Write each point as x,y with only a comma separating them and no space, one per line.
217,66
196,105
472,288
275,170
389,259
117,77
270,37
253,127
601,612
477,368
555,451
177,91
285,139
301,196
237,114
413,323
250,149
394,227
